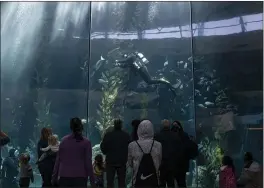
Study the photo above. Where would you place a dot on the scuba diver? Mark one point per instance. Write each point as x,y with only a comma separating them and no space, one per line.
10,170
137,63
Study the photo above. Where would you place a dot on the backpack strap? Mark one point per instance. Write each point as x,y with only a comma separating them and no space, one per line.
151,146
140,147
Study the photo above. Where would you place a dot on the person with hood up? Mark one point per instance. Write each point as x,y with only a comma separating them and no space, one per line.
252,175
144,157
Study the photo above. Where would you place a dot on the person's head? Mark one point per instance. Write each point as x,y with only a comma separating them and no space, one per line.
248,157
165,123
177,127
99,159
76,125
45,133
24,158
118,124
135,123
77,128
53,140
228,161
12,152
145,130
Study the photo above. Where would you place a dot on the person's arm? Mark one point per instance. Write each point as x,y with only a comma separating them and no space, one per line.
56,168
160,154
104,144
88,163
129,157
4,139
31,175
45,149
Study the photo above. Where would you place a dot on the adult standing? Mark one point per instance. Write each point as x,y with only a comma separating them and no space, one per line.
73,164
144,156
115,147
171,153
43,167
189,152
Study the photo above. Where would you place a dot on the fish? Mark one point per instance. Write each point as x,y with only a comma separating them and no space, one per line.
102,81
185,65
102,58
207,103
99,63
181,86
166,63
177,84
201,105
183,111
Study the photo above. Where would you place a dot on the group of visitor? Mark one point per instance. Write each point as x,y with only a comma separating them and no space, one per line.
156,160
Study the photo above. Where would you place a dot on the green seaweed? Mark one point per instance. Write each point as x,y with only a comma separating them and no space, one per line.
208,174
111,85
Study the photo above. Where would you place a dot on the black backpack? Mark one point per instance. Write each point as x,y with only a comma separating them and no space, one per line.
146,175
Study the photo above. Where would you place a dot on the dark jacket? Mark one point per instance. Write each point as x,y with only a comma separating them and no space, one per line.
115,146
171,147
41,144
183,163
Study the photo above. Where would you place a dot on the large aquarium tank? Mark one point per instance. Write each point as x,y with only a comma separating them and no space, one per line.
202,64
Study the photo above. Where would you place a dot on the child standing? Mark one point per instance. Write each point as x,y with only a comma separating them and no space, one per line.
98,167
53,147
26,172
227,177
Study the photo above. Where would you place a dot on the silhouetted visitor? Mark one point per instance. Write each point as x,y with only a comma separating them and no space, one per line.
25,171
144,157
99,168
10,170
171,149
189,151
45,167
227,178
115,146
135,123
252,175
73,165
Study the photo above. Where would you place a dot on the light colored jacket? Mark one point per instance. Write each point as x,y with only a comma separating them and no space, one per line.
145,139
251,177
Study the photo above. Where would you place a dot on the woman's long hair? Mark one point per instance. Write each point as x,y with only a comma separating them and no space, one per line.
77,128
228,161
45,133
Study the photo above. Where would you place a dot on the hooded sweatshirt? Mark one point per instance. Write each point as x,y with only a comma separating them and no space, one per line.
145,138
